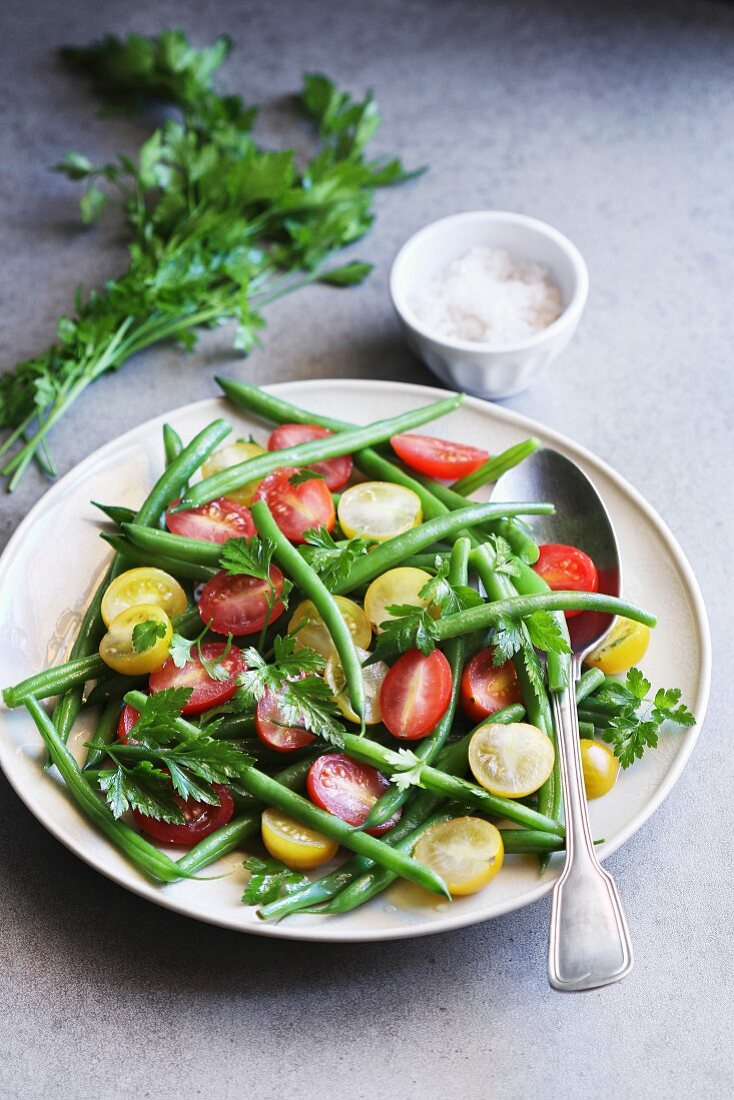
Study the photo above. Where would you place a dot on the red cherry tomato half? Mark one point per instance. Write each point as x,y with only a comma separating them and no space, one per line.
347,789
437,457
336,471
201,820
214,522
567,568
239,605
415,694
297,508
273,730
486,688
206,692
128,718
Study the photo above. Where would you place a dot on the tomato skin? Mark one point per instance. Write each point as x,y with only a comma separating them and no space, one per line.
348,789
271,729
566,568
415,694
201,820
336,471
297,508
239,605
439,458
128,717
485,688
216,521
206,692
600,767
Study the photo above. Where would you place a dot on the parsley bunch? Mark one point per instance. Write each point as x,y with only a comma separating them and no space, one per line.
218,226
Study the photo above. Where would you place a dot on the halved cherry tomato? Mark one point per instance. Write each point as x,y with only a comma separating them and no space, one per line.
297,508
272,727
201,819
143,585
128,718
118,647
438,457
348,789
216,521
239,605
567,568
206,692
415,694
232,454
336,471
486,689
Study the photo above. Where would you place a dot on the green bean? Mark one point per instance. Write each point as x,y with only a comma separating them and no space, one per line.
146,858
172,444
429,747
74,673
116,513
527,582
308,581
494,467
587,730
518,607
105,731
453,760
178,567
315,450
275,794
176,547
588,682
530,840
393,551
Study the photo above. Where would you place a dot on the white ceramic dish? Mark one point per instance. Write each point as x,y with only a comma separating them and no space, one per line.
489,371
43,594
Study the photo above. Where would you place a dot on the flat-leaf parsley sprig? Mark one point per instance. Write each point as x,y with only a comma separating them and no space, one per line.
253,557
218,226
294,676
332,561
635,720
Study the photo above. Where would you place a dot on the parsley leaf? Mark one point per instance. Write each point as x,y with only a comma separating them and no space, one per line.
146,634
157,720
300,477
269,878
144,787
332,562
410,627
635,723
248,557
448,598
408,769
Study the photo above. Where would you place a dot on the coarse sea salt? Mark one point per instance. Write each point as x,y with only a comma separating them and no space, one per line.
488,297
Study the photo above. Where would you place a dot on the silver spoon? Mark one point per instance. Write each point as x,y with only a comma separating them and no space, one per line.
589,940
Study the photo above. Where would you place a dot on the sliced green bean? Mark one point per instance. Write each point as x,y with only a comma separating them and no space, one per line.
105,731
308,581
148,859
315,450
588,682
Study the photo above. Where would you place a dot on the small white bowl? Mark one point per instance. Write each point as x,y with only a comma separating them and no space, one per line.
493,371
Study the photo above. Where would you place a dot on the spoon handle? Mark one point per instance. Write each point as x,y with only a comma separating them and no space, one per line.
589,940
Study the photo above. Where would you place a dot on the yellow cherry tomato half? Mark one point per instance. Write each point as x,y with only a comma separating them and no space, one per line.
121,647
296,845
625,645
600,767
311,631
232,455
378,510
467,852
143,585
396,586
372,677
511,760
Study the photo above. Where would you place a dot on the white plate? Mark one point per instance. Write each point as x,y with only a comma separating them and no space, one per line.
55,558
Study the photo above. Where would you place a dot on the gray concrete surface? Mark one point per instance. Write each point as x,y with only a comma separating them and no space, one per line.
614,122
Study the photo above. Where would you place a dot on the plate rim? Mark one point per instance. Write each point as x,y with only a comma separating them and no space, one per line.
328,932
